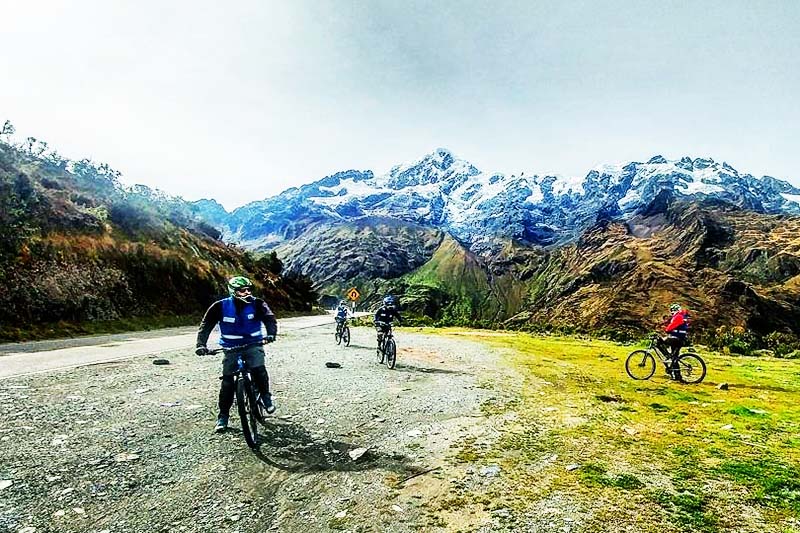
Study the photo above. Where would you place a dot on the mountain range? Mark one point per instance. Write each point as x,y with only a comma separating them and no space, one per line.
460,244
477,208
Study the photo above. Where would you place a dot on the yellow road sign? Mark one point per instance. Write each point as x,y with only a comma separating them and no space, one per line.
353,294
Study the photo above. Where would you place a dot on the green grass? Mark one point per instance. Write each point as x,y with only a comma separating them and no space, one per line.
653,455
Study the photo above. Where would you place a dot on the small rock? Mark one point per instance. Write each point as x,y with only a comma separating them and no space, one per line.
234,518
340,514
629,430
78,510
397,509
50,479
379,420
490,471
573,466
194,407
125,457
169,404
320,420
723,386
5,483
356,454
141,391
414,433
727,427
502,513
160,362
59,513
29,529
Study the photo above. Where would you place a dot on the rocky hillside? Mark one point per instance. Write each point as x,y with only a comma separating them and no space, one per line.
78,247
608,252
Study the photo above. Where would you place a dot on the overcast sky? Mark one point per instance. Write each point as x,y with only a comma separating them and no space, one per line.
241,100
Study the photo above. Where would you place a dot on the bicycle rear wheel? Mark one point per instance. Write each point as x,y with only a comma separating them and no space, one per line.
391,353
245,403
640,365
346,336
692,369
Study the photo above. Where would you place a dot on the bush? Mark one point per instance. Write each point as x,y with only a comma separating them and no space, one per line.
736,339
782,343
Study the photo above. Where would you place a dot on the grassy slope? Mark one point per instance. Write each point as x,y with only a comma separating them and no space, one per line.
460,274
654,455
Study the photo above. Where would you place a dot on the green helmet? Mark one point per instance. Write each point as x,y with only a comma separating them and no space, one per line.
237,283
674,308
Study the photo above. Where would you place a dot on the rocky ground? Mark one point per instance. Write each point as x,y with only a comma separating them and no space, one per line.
127,446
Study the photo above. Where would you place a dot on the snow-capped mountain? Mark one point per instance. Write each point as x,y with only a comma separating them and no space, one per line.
476,207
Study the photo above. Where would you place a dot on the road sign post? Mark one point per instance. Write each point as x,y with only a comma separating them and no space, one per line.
353,294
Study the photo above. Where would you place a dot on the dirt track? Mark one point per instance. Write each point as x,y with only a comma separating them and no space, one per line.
126,446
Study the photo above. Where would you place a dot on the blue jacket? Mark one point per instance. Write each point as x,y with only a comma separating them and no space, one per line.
239,328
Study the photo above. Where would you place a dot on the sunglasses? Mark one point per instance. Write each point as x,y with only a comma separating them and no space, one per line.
244,290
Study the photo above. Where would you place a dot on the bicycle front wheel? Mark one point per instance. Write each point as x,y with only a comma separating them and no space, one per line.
391,353
346,336
246,406
640,365
338,338
692,369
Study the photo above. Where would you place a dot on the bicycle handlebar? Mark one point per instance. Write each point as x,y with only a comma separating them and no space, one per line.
237,348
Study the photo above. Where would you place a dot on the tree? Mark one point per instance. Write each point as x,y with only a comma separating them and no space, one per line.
8,129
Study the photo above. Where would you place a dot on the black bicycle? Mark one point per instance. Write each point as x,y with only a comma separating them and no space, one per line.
342,332
387,349
641,364
248,400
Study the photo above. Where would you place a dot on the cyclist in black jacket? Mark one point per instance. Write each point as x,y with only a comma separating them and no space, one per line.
384,316
240,317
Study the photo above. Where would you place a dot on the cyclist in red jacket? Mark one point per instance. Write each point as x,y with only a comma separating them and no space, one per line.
677,330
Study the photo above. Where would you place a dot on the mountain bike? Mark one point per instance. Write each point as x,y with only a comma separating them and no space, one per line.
387,349
342,332
248,400
641,364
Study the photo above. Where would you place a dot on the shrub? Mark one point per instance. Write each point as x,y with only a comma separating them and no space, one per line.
735,338
783,344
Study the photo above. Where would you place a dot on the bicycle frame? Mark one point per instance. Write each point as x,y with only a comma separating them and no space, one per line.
388,334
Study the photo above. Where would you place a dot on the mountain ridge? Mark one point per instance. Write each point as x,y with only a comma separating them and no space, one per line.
451,194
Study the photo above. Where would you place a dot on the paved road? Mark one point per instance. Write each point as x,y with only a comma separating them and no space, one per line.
19,359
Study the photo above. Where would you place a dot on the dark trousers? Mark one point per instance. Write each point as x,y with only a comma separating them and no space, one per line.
381,330
672,345
254,359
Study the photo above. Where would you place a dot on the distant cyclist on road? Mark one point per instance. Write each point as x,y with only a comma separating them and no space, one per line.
239,316
384,316
677,329
342,314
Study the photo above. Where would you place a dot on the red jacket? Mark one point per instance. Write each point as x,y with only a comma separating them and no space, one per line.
679,325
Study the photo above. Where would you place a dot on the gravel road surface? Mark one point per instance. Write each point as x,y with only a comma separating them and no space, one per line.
127,446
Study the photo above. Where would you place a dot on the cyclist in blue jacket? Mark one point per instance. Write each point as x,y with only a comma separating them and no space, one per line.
240,317
341,317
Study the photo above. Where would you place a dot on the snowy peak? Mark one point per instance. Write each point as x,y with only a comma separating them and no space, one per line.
479,208
440,166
